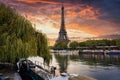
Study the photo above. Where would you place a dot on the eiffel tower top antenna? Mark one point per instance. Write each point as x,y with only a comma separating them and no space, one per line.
62,3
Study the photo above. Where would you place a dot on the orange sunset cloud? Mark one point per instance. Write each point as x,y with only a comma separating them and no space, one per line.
36,1
82,20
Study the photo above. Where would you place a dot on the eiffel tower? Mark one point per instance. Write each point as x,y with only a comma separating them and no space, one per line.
62,33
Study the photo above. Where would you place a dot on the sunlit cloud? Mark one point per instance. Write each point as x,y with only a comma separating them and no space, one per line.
83,18
39,1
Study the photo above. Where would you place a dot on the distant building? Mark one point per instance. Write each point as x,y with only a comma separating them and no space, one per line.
62,33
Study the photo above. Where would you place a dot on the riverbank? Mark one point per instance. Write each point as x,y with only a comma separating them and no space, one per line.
6,68
81,77
9,74
8,71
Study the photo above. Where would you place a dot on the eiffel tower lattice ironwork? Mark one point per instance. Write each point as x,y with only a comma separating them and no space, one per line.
62,33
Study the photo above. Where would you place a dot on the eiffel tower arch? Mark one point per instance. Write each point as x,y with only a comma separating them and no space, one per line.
62,33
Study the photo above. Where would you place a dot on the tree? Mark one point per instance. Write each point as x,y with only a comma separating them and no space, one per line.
82,44
61,45
118,43
74,44
42,47
18,38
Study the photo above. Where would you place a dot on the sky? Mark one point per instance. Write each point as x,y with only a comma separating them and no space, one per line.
83,18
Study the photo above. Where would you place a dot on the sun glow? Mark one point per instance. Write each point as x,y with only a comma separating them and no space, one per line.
81,20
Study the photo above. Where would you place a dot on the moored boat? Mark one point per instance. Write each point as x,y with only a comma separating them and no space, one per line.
29,71
113,53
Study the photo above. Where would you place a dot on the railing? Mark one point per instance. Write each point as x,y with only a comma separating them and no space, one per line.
42,65
35,76
42,72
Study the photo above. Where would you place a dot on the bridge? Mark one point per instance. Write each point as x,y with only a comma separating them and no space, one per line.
90,48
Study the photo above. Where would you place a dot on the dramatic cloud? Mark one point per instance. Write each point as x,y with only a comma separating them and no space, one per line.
83,18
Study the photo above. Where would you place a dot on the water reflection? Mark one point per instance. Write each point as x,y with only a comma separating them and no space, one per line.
62,61
97,66
89,59
103,60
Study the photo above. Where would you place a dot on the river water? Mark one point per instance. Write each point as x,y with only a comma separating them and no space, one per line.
99,67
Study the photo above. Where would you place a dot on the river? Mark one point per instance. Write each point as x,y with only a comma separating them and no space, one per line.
99,67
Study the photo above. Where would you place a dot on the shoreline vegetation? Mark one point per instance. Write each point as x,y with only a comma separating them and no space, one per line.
89,44
19,39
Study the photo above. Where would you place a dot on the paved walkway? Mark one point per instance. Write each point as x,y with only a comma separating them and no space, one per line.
81,77
17,76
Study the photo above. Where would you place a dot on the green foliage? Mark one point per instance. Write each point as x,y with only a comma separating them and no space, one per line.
117,42
74,44
61,45
91,43
18,39
42,47
82,44
104,42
